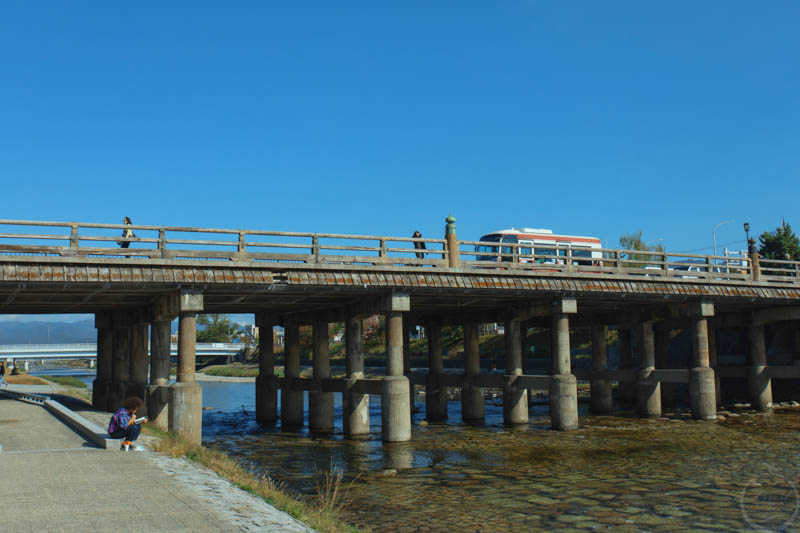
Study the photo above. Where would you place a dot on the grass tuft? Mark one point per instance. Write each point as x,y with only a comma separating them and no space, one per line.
69,381
323,513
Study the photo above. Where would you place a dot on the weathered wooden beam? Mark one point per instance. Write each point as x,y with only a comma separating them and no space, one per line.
776,314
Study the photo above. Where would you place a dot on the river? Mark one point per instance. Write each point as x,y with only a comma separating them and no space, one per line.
618,472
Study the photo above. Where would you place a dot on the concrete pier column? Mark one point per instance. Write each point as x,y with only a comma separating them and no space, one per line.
407,359
186,396
515,398
356,405
702,397
137,386
435,393
758,383
627,389
600,385
120,363
320,404
266,382
158,390
662,338
472,404
291,400
648,388
713,362
563,385
102,321
395,398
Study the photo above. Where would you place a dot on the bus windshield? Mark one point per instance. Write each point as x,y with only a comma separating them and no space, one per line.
489,252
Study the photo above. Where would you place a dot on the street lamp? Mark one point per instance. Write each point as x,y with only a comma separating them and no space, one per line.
746,232
714,233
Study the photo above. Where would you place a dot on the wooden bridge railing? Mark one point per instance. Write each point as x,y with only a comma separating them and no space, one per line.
184,243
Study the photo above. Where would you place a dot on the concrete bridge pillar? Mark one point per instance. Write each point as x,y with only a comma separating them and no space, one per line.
137,386
26,365
356,405
291,400
266,383
627,389
758,383
662,338
186,396
395,397
702,397
515,398
713,362
600,386
102,321
563,385
407,327
472,404
648,388
120,363
91,363
158,390
320,404
435,393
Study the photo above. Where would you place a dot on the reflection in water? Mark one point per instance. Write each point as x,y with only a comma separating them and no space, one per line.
615,472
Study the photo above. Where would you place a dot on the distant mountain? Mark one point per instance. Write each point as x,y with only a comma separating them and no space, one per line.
47,332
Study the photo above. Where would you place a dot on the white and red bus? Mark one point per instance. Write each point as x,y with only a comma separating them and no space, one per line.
538,246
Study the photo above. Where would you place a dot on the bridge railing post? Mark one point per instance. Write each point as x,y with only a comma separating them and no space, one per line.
453,256
74,241
315,248
382,251
162,242
241,248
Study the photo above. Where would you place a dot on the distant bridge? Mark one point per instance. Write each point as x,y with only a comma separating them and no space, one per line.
88,350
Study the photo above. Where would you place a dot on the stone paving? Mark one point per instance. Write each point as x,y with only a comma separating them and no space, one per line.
55,481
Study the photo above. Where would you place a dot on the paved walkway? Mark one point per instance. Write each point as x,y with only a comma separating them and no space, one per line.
53,480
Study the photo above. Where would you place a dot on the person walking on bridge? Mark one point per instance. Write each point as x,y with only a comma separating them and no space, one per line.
418,245
3,375
127,233
123,422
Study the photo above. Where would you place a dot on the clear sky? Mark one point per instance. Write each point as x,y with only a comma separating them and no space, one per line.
589,118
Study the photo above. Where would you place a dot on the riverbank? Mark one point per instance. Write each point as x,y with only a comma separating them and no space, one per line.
220,481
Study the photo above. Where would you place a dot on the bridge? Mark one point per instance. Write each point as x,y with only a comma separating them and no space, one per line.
298,279
88,351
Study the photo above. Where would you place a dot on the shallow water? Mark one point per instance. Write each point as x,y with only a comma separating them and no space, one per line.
613,473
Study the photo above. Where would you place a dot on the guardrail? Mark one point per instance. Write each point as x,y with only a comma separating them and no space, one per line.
66,239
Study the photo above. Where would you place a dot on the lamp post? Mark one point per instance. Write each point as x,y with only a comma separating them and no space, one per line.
747,235
714,233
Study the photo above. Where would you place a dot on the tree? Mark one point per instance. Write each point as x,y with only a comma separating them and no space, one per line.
216,328
778,243
634,241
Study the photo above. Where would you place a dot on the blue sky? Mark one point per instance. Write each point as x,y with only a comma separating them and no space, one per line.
589,118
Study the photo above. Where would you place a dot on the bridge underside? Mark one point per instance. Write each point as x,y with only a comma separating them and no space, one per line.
27,288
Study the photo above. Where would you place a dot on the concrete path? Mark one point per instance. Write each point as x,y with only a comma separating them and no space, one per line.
52,480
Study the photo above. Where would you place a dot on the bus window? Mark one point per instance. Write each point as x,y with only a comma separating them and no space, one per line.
489,252
507,249
544,251
583,256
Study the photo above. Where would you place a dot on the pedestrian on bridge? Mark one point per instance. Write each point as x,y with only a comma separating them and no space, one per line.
3,375
418,245
123,423
127,233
